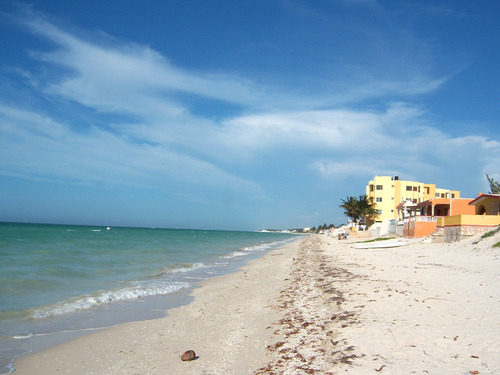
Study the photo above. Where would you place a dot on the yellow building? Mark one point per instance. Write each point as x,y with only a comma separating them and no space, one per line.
389,192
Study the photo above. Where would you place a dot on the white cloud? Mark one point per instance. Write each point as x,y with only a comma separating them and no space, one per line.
110,75
38,147
159,140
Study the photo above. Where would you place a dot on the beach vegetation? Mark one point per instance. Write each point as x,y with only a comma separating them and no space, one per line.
491,233
494,185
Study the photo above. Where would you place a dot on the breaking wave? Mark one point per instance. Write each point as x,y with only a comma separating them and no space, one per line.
84,302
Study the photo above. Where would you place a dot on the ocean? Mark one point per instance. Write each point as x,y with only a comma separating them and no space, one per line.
61,281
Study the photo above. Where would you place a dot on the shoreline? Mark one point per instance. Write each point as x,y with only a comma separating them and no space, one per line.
316,306
27,337
220,338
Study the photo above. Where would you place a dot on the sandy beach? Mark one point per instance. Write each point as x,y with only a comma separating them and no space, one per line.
316,305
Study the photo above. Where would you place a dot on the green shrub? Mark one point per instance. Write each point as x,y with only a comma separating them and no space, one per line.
490,233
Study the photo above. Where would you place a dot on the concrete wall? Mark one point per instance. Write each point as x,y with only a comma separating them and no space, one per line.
455,234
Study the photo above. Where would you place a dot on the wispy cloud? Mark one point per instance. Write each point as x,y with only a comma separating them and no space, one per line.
33,146
154,138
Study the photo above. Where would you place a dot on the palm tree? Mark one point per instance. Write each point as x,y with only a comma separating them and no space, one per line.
366,209
350,206
359,209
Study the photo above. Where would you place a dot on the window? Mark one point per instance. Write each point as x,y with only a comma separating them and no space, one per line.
414,201
414,188
427,190
379,199
379,212
409,188
372,187
379,187
437,195
453,195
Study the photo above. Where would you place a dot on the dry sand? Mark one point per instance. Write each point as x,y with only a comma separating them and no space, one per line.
316,306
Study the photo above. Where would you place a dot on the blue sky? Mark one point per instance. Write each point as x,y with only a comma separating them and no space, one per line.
240,114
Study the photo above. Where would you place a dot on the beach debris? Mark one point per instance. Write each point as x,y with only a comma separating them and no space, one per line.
381,368
188,355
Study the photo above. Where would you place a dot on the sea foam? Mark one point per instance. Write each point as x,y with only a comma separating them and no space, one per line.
153,288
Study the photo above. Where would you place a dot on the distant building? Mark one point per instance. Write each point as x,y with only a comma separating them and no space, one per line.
390,193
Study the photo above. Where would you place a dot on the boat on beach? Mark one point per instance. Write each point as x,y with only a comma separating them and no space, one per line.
381,244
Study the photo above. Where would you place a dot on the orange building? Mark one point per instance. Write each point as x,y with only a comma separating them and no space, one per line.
424,220
482,216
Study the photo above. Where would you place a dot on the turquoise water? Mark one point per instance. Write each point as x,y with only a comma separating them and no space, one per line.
55,277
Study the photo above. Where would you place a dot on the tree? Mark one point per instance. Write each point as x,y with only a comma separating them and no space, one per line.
350,208
494,186
366,209
359,209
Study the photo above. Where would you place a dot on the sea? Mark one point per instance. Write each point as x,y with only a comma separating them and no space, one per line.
58,282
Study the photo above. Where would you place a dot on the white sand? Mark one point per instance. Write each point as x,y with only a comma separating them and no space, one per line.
418,309
319,306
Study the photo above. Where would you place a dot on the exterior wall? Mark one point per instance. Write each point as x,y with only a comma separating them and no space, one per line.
430,191
446,194
470,220
442,207
455,234
461,206
392,192
397,193
491,205
438,235
459,227
382,192
419,226
399,229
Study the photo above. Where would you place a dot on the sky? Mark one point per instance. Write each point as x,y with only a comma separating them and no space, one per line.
240,115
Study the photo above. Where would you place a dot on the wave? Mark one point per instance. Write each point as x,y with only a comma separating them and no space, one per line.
179,268
85,302
234,254
23,337
157,285
253,249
